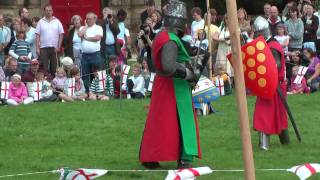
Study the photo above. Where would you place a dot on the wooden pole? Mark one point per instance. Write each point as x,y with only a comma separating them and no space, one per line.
240,89
209,39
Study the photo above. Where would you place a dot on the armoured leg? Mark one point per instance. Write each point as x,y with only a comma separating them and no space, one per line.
284,137
263,141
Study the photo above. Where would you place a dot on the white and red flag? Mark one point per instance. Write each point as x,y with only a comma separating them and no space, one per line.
187,174
125,72
306,170
81,174
151,81
71,87
301,72
102,79
4,89
219,83
36,90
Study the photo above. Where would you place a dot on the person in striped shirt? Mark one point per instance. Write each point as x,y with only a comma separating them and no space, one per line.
96,91
20,50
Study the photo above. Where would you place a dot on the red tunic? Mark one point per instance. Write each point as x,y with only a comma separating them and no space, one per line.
161,139
270,115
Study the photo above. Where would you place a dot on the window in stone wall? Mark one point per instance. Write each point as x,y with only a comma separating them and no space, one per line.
7,2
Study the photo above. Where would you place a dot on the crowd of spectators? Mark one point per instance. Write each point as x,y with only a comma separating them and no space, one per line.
30,50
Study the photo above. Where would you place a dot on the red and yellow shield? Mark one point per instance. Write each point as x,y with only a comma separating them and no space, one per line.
259,67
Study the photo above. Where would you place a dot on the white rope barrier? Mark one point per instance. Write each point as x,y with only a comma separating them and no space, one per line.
136,170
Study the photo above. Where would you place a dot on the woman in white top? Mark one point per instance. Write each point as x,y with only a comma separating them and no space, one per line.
73,41
222,36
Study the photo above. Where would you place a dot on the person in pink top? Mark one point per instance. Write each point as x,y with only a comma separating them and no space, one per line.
49,35
18,93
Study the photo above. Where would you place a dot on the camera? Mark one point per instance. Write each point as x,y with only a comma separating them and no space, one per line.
109,16
146,29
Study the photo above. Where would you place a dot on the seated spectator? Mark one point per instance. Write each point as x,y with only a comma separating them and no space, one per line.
220,72
46,90
10,68
296,88
112,65
30,74
313,74
117,84
18,93
67,64
79,90
145,72
59,81
96,92
136,82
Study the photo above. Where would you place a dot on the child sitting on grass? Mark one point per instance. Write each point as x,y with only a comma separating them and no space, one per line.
136,82
59,81
79,89
96,92
220,72
46,92
18,93
298,88
117,84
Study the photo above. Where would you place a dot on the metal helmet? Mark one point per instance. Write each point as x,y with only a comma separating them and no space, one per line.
175,14
261,27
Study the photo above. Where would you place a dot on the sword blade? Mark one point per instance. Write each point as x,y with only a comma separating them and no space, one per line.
285,103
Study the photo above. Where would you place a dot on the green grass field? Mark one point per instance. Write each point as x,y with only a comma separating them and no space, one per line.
46,136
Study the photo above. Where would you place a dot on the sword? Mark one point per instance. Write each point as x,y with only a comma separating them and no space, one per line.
285,103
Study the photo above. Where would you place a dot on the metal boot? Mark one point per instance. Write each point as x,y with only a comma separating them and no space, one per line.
284,137
263,141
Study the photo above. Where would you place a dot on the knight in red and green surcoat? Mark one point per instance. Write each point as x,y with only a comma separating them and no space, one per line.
171,130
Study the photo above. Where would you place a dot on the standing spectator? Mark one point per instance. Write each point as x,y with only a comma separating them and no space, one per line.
311,23
110,32
10,68
49,35
295,29
156,21
20,50
35,21
318,31
121,37
244,23
15,26
274,20
267,10
151,6
5,34
91,35
73,41
23,13
282,37
198,22
30,35
224,47
214,17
